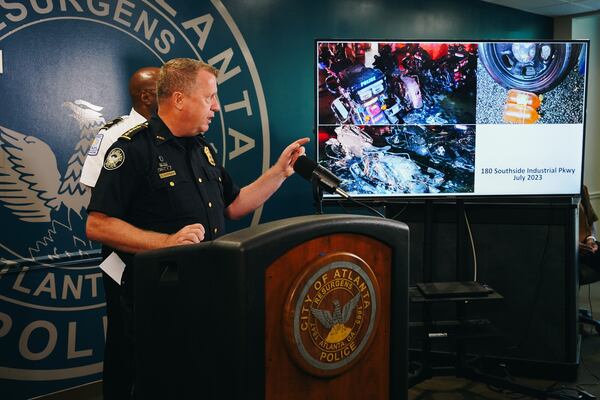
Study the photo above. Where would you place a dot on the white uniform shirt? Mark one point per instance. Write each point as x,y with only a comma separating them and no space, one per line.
103,140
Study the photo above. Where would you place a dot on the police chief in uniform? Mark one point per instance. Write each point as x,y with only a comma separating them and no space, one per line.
161,186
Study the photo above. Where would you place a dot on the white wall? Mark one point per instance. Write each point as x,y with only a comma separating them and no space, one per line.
588,27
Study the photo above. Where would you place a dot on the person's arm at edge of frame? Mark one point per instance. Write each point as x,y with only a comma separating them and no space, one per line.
258,192
120,235
589,243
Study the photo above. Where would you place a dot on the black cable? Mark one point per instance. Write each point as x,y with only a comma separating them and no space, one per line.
317,196
342,205
584,365
400,212
472,242
506,392
366,206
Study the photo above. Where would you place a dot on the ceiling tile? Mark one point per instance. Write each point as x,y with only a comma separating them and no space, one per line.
592,4
524,4
552,8
562,9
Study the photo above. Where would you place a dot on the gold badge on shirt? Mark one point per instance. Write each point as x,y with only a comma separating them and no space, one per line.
209,156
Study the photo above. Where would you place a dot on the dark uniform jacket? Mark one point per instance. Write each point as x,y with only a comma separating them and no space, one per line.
154,181
159,182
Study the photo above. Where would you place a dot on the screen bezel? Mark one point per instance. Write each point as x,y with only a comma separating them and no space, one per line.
396,198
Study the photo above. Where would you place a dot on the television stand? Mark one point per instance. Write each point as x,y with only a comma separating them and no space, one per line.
463,330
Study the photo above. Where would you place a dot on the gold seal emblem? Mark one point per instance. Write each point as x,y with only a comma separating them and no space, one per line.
332,313
114,159
209,156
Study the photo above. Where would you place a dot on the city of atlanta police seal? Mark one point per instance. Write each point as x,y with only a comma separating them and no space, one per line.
331,314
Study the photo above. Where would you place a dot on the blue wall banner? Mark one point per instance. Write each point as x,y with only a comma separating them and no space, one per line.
64,68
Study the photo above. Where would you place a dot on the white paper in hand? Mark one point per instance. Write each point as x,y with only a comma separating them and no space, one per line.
113,266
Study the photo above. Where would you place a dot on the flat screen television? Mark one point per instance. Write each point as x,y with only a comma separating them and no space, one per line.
483,118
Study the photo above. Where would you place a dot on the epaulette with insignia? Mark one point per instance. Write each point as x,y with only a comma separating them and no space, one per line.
131,133
112,123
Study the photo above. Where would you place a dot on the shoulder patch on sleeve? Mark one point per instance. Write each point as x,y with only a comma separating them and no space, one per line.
114,159
95,147
112,123
131,133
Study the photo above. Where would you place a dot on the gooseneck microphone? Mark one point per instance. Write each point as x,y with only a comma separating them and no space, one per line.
324,178
311,171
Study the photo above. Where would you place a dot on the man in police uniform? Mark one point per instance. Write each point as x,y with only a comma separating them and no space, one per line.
142,90
161,186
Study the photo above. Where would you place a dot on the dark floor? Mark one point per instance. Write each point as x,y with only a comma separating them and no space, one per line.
587,382
451,388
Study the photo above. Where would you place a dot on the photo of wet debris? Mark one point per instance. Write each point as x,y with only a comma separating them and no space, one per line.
400,159
398,118
530,83
396,83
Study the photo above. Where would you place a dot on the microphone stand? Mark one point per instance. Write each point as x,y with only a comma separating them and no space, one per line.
317,194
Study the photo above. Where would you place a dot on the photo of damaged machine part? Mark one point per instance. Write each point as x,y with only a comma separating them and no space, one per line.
381,83
527,83
373,83
395,159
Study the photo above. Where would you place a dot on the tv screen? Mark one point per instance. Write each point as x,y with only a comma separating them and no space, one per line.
397,119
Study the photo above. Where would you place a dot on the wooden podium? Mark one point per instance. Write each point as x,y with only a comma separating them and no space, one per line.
311,307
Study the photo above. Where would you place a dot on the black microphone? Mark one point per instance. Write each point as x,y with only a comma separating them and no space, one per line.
311,171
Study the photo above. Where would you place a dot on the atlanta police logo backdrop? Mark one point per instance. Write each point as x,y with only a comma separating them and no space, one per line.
64,67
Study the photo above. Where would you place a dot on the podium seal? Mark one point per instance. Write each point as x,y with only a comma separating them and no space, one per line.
331,314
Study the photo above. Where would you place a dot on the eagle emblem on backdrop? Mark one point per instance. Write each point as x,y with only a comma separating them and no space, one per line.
31,185
63,70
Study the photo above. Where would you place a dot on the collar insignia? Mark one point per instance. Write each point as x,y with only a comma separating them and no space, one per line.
209,156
